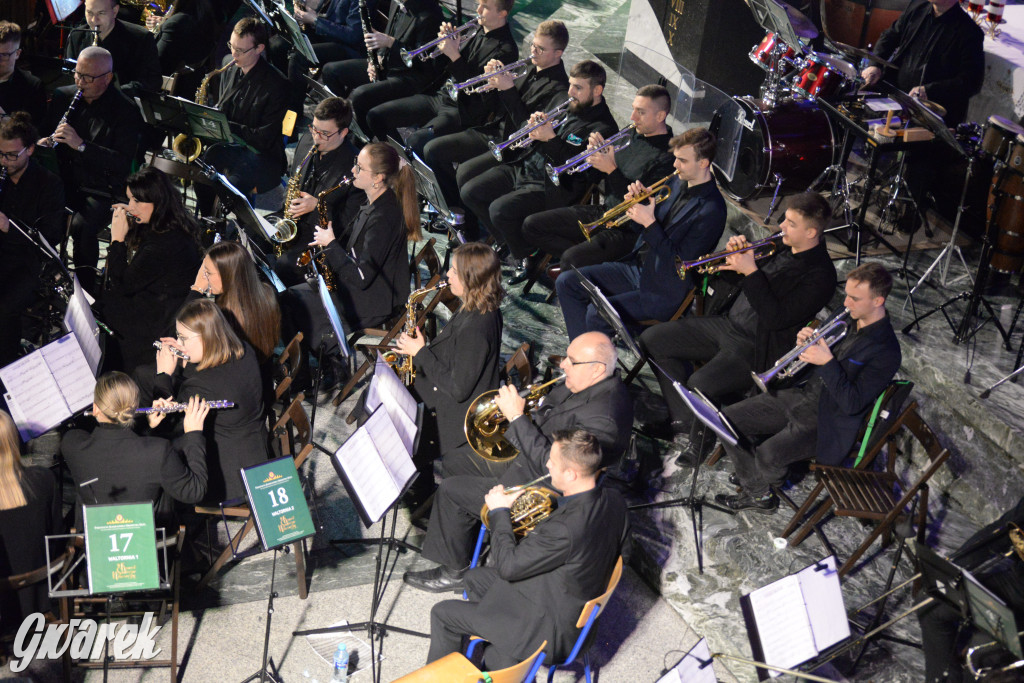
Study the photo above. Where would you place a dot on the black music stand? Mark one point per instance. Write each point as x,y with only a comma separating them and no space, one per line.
174,115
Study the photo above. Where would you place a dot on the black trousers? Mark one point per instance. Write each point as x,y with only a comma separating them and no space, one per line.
18,285
501,198
463,461
675,346
345,75
785,428
434,115
369,95
302,311
468,171
298,66
248,171
450,620
557,232
455,520
92,214
443,153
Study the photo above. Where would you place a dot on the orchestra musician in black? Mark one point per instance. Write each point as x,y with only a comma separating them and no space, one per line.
19,90
133,49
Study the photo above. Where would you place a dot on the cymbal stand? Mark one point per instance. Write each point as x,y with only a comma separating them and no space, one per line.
946,255
835,175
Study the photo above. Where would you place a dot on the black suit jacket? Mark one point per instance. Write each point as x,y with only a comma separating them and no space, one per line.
36,201
412,27
136,469
255,104
235,437
542,583
604,409
864,364
480,49
371,286
535,91
133,49
458,365
24,92
110,127
571,139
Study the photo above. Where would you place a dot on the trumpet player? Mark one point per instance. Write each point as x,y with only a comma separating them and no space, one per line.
821,417
772,302
435,114
132,47
592,399
644,285
646,159
541,88
96,140
534,590
333,155
503,196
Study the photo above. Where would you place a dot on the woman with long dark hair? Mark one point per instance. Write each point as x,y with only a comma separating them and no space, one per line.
369,260
220,366
152,256
29,511
461,362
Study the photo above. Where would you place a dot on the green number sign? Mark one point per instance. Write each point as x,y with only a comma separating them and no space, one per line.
278,504
120,543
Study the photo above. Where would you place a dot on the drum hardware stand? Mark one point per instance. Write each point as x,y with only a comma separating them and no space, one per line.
946,255
840,187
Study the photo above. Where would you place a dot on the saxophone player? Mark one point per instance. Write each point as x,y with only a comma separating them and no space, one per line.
369,262
333,155
460,363
254,97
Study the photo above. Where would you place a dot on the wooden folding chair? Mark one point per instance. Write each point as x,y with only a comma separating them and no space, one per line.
519,363
288,365
295,438
427,256
686,303
879,496
455,668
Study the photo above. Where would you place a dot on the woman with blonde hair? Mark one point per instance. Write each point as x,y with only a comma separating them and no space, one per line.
217,366
132,468
461,362
29,510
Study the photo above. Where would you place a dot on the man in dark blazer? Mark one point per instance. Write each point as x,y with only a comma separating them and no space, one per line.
592,399
645,285
19,90
541,88
819,419
133,48
534,590
777,298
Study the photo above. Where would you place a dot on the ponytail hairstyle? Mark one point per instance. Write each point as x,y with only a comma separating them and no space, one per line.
399,177
12,495
117,396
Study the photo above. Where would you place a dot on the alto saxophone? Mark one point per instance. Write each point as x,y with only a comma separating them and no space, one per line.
318,255
401,363
285,228
202,92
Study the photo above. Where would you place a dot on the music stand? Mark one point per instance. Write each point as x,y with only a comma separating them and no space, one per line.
376,468
291,31
338,332
175,115
608,313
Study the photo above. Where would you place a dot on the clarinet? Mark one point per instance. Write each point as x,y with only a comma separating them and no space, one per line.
182,407
372,56
50,142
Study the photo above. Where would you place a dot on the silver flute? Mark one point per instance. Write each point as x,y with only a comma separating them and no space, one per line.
174,350
182,407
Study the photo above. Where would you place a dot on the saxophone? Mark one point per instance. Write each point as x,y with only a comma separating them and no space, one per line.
203,91
403,364
318,255
185,147
285,228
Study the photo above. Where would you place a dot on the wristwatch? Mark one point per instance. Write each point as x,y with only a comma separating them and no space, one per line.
81,147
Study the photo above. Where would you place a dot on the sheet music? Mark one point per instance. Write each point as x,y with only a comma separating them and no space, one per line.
782,625
35,392
391,449
68,365
823,598
882,104
17,415
387,390
369,478
690,669
80,320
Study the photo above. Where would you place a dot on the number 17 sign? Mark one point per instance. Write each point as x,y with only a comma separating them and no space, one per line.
278,503
120,543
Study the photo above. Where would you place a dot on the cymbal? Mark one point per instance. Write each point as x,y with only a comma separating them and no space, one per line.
801,24
862,53
934,106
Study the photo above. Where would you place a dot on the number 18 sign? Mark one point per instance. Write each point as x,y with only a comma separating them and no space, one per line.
120,543
278,503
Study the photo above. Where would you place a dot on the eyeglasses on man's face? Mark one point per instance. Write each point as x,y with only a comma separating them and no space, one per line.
12,156
87,79
322,133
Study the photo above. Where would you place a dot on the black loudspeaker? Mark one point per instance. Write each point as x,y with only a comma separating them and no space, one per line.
713,39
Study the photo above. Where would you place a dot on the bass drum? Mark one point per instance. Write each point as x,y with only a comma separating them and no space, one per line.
793,139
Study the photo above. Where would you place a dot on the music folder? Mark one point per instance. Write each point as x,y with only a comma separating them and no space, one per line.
387,390
177,115
794,619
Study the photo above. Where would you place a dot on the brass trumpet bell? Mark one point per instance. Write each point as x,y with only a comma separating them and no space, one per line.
186,148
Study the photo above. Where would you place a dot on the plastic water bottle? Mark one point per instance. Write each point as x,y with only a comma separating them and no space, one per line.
340,664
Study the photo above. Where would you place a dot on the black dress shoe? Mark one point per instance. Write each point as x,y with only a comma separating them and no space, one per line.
764,504
440,579
524,267
734,480
553,271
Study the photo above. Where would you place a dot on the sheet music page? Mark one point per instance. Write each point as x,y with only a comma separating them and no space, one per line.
823,597
80,320
391,448
782,624
34,389
17,415
387,390
369,477
70,368
690,670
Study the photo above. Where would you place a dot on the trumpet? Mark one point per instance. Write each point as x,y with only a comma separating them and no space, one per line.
174,350
431,49
580,162
479,84
485,424
708,264
521,138
50,142
616,216
790,364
